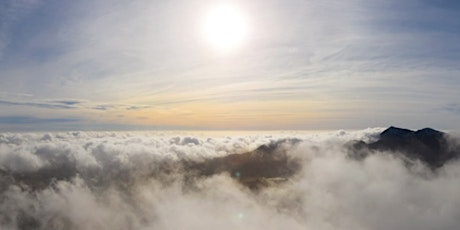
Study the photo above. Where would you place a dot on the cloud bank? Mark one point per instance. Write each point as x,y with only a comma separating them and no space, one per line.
130,180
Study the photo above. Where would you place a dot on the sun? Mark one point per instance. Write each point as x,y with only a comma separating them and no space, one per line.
225,27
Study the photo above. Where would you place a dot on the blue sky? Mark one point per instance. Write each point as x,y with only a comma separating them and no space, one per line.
304,65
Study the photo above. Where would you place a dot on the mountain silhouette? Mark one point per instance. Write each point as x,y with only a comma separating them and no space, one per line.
268,164
428,145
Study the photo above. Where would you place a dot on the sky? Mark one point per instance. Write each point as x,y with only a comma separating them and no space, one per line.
301,64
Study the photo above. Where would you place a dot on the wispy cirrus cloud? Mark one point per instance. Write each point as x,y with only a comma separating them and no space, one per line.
46,105
452,108
70,104
34,120
401,55
10,12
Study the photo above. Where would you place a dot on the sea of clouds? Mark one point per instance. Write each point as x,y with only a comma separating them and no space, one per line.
131,180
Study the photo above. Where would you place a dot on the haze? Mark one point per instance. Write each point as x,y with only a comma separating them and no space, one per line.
105,65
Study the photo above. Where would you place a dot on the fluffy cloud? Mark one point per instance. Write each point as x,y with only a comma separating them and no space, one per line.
129,180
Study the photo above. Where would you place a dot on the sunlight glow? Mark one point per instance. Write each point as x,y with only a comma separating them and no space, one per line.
225,27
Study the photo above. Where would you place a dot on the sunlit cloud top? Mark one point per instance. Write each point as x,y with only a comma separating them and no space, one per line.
260,65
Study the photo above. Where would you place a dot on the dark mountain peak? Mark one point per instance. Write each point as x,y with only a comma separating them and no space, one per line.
429,132
395,132
428,145
400,133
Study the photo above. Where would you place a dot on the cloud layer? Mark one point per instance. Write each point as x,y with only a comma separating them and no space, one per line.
128,180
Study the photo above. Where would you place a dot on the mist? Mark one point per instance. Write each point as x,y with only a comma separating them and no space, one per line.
137,180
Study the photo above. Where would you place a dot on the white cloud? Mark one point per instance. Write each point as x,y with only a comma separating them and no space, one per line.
117,184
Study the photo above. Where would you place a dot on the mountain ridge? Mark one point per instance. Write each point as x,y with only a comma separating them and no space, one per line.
427,145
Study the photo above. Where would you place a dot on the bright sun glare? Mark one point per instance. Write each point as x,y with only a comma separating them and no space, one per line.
225,27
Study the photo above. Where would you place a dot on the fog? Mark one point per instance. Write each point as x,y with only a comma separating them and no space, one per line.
134,180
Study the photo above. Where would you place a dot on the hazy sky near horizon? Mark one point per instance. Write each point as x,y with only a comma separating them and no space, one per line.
302,64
